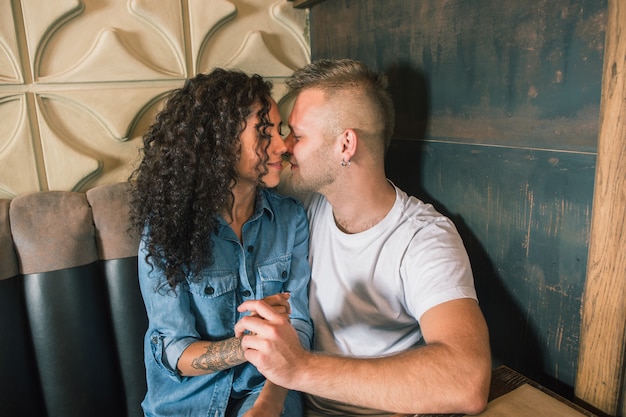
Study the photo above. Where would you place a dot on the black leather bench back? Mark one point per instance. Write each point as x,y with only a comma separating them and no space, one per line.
71,316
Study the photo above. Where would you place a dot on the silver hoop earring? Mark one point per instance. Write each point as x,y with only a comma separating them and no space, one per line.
344,163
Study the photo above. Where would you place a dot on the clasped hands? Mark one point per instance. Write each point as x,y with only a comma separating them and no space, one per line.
268,339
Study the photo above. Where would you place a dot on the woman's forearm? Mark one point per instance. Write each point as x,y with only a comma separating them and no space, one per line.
204,357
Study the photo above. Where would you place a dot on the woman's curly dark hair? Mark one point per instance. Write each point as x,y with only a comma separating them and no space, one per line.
189,167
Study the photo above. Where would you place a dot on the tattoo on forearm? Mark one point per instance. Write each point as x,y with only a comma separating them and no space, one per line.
220,355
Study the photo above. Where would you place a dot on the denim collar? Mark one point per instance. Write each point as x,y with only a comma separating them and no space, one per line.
261,207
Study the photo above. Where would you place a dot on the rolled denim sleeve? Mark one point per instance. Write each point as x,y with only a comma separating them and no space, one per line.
171,324
298,283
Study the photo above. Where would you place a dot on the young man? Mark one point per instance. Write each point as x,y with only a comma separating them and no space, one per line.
397,325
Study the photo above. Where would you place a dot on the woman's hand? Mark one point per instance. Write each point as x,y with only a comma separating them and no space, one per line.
262,411
269,402
279,302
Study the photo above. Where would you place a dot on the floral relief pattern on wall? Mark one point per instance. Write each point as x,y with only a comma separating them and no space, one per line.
81,80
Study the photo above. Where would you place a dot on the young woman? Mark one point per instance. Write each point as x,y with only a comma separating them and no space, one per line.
215,234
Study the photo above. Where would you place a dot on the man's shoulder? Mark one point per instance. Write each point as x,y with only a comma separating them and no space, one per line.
413,206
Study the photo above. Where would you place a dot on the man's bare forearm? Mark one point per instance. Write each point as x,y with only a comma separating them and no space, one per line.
204,357
451,372
445,384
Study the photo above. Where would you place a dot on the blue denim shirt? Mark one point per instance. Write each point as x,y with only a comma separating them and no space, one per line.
273,258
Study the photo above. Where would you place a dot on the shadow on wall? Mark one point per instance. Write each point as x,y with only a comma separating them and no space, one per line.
409,89
513,341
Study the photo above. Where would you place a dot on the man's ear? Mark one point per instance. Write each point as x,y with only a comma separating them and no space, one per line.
349,141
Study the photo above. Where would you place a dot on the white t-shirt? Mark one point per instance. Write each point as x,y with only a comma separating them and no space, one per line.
369,289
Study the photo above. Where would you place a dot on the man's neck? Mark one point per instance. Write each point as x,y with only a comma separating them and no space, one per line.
361,205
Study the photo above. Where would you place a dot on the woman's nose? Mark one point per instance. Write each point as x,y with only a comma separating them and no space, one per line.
278,144
289,142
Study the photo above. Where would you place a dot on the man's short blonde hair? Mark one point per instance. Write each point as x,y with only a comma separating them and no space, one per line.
358,94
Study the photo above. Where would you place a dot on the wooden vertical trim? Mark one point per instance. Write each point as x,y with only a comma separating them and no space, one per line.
601,364
623,400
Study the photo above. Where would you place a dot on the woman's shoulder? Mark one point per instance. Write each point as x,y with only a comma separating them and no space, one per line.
275,194
278,201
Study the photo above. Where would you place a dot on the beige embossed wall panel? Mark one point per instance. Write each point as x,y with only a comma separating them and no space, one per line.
81,80
79,41
10,71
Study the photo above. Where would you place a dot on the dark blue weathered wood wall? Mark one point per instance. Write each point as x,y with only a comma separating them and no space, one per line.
497,125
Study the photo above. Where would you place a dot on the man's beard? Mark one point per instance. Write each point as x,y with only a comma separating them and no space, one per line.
316,179
309,184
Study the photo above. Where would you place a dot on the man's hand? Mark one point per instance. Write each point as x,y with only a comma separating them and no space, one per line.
272,344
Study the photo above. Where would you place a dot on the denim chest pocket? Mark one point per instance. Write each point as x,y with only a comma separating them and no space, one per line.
273,274
213,284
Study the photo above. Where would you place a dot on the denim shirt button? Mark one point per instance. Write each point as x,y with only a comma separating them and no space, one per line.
250,249
155,340
208,290
284,274
246,293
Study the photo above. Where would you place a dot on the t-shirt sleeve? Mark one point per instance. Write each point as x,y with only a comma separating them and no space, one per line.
436,268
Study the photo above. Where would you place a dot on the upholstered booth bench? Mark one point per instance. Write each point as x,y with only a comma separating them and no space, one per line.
71,316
